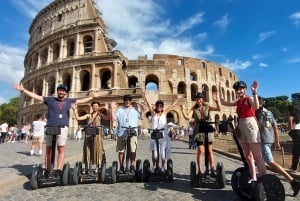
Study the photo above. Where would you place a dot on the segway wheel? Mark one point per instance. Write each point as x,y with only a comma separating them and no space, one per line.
239,181
75,176
146,170
102,172
65,174
170,169
269,187
34,178
221,176
114,169
193,174
138,168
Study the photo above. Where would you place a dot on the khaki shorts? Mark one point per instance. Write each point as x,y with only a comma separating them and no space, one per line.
249,130
37,138
121,144
200,137
61,139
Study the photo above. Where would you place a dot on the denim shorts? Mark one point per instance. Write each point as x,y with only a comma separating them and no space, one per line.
267,152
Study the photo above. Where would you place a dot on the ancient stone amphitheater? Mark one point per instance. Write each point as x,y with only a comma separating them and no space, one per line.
69,45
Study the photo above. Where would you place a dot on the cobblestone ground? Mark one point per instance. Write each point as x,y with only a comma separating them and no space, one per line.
16,166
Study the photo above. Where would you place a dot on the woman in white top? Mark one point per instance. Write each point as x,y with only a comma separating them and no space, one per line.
38,134
159,121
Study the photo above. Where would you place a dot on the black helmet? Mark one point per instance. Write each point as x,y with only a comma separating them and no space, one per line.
127,97
199,95
60,86
159,102
239,84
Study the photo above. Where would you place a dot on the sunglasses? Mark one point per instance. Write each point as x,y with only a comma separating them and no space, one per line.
159,105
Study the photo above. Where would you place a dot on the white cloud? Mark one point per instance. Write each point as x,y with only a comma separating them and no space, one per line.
31,7
222,23
294,60
295,18
261,64
284,49
189,23
142,28
236,65
265,35
257,56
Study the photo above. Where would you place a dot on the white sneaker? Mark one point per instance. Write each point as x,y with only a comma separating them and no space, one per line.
152,170
31,152
162,169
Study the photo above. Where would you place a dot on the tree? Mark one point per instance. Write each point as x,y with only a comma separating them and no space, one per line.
9,111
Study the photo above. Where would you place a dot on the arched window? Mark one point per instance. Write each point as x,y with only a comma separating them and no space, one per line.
88,44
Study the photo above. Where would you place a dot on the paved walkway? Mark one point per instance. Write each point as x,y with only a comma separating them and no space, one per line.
16,166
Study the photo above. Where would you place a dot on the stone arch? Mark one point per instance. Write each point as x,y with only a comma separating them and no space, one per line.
194,90
233,95
105,76
205,92
67,80
70,47
181,88
51,85
214,90
193,76
151,82
228,96
88,44
56,50
38,87
34,64
132,81
44,56
84,80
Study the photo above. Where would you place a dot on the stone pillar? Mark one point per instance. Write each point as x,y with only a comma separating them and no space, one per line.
77,45
62,49
93,76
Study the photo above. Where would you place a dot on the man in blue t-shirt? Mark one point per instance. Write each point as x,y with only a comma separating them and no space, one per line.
58,115
127,116
268,131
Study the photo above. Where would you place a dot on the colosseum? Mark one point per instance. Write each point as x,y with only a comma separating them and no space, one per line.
69,45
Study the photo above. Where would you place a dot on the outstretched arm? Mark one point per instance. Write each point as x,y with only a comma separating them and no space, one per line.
173,105
185,116
147,101
28,93
223,101
74,107
218,107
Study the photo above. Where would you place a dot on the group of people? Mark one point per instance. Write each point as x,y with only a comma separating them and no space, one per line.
256,123
11,133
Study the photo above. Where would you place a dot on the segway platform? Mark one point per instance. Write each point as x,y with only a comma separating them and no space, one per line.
157,174
215,180
41,177
127,175
80,176
267,188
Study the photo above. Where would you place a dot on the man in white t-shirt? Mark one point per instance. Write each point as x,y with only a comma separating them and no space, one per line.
38,134
4,130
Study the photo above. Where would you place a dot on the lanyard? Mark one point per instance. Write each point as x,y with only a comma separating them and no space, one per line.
60,106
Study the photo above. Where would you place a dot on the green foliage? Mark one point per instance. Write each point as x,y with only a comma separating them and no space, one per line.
278,105
9,111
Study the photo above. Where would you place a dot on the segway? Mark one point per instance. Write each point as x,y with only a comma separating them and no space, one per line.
127,175
208,179
90,175
267,188
41,177
157,175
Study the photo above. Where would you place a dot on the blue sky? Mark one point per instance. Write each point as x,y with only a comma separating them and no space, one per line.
258,40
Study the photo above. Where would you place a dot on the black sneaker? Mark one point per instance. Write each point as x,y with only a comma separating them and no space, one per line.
58,173
122,169
295,186
212,173
132,169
